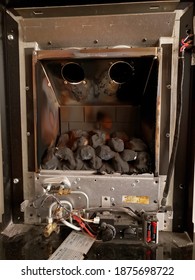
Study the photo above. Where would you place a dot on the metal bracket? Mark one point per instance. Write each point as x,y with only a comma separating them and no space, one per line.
23,205
106,202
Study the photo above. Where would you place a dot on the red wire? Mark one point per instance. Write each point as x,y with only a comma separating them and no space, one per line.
186,43
91,234
82,225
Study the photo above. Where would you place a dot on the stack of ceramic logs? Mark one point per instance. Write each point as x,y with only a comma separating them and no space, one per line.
96,150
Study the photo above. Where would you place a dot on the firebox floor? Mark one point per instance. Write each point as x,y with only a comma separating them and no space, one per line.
20,242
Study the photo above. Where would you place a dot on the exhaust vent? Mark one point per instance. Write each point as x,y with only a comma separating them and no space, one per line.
72,73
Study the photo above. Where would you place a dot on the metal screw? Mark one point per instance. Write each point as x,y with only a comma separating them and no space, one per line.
15,180
10,37
28,133
112,189
181,186
168,86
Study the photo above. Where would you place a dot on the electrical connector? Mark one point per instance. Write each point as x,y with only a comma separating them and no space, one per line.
96,220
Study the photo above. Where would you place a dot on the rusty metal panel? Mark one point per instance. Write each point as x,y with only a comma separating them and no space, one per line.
46,112
99,31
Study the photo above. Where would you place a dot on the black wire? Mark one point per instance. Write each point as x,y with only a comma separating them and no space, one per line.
90,228
176,135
